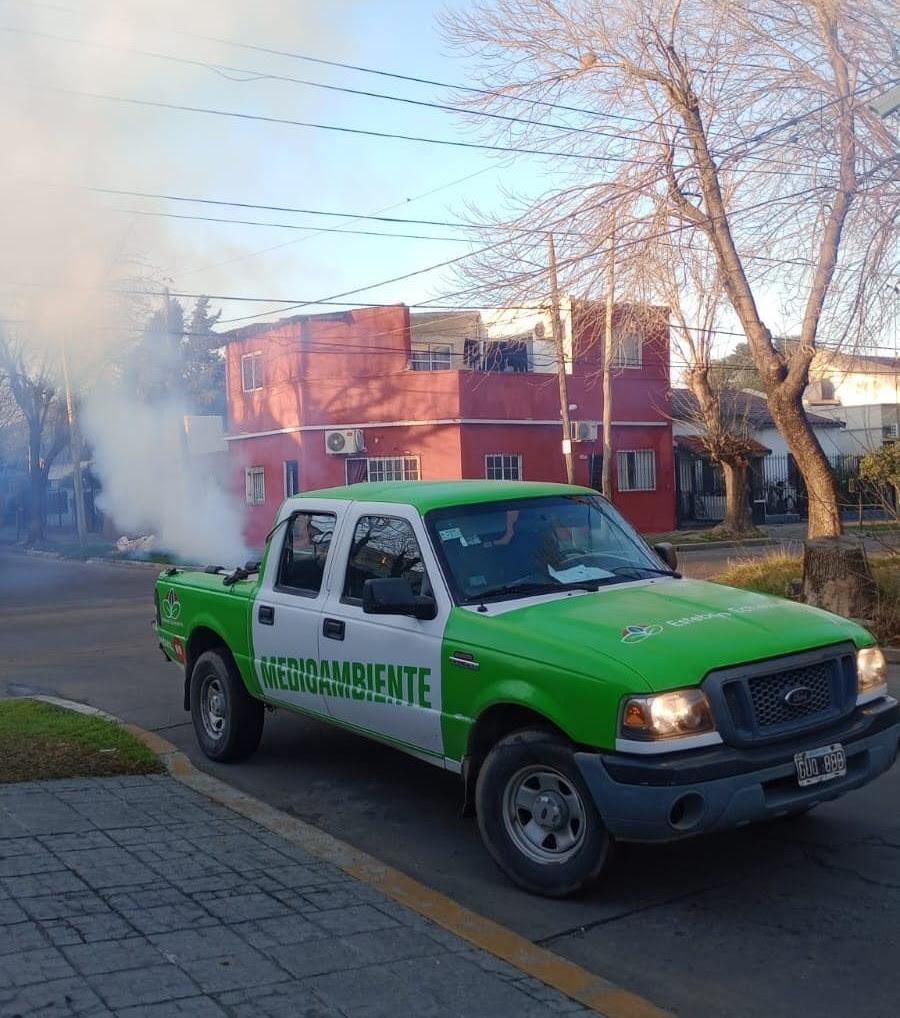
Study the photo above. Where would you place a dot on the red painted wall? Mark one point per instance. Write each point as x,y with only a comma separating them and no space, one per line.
351,371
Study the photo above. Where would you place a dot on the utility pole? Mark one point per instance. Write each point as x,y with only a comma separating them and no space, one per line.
606,473
75,446
556,324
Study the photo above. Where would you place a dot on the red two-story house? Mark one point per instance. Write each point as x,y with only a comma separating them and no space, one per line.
378,393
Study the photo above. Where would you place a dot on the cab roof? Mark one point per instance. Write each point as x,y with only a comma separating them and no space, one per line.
428,495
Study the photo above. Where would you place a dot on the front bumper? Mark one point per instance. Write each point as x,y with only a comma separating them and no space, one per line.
672,796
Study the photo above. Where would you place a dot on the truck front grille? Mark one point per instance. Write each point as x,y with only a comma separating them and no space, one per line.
764,701
768,692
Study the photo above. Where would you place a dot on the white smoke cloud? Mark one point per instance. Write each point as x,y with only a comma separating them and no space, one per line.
152,486
72,266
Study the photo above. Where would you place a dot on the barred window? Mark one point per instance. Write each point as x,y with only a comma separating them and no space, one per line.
251,371
636,470
431,357
256,485
393,468
502,466
629,348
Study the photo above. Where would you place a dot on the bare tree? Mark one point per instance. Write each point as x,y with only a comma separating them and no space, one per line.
31,381
688,281
744,129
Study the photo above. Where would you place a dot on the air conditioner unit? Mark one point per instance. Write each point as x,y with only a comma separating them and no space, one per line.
341,443
583,431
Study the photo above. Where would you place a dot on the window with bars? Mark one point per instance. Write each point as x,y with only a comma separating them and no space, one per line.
629,348
393,468
256,485
251,371
503,466
431,357
636,470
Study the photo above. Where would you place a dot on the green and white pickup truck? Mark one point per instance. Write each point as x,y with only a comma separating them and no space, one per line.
524,636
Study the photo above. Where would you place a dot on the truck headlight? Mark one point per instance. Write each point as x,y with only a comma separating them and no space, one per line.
674,715
871,671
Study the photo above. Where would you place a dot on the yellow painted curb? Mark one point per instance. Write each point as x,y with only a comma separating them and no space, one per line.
588,989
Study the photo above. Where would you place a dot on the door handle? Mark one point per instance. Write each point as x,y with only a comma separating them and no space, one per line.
333,629
266,615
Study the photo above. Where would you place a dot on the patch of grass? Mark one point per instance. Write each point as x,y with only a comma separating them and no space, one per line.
778,573
768,574
39,741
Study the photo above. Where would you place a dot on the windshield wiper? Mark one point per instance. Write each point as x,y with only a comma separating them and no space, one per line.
647,569
524,588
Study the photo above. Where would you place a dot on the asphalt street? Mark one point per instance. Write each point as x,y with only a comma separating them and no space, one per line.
797,916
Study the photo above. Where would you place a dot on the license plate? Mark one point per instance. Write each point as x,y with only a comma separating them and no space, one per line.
822,764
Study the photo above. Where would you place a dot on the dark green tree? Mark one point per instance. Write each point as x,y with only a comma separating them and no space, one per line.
203,372
735,370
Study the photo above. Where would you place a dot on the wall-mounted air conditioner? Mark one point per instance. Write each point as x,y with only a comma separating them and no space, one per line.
583,431
343,442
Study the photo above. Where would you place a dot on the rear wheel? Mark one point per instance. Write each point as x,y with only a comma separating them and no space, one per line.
228,721
537,817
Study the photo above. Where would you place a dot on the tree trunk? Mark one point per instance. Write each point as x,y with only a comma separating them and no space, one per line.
792,422
836,576
738,516
37,509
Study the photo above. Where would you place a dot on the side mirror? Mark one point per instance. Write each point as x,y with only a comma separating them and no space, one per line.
394,596
668,554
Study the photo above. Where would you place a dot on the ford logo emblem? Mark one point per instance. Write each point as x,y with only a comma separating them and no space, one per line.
799,696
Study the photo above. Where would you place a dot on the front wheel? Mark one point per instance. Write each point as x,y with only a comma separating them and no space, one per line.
537,818
228,721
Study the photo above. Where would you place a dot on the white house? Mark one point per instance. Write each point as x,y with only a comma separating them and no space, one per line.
699,490
860,390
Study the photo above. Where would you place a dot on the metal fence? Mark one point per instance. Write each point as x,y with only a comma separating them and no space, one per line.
777,491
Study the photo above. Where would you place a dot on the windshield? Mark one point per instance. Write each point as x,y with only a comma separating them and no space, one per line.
537,545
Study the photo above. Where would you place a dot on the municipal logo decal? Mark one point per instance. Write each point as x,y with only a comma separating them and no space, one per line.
637,634
170,606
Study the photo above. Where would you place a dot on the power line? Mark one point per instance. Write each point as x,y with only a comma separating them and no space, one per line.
287,122
522,278
292,226
353,67
516,230
292,210
386,208
364,132
742,143
254,75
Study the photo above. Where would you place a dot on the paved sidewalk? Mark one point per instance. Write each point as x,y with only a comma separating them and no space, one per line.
140,897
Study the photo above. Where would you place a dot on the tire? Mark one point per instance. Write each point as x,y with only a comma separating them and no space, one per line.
228,721
568,848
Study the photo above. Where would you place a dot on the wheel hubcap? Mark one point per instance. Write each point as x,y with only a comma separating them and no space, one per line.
550,811
213,708
544,814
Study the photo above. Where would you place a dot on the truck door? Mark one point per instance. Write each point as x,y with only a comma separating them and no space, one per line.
288,610
385,669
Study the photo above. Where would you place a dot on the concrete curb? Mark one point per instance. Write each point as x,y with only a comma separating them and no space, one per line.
752,542
588,989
